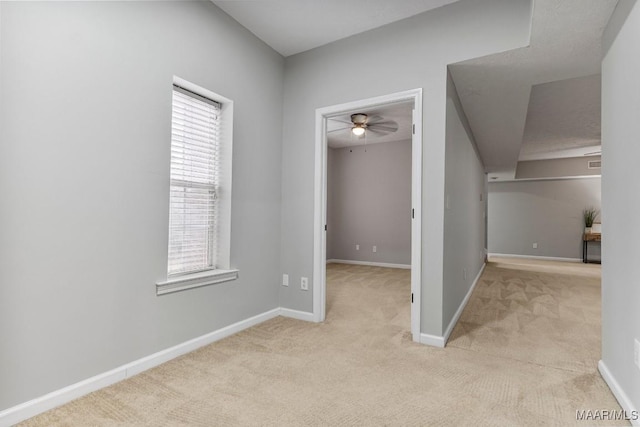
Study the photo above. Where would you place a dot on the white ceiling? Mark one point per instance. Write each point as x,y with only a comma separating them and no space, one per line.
294,26
563,119
495,90
512,112
398,112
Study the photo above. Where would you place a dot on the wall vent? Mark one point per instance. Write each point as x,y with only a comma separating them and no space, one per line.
594,164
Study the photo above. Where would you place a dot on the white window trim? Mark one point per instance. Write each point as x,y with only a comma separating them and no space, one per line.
224,272
195,280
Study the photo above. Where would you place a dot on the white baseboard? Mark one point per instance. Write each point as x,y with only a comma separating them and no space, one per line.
618,392
370,263
456,316
545,258
41,404
432,340
163,356
441,341
59,397
296,314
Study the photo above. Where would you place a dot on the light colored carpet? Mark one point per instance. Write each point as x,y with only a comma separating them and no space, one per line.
512,360
535,311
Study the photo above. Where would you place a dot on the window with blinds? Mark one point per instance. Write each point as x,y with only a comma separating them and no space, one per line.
195,145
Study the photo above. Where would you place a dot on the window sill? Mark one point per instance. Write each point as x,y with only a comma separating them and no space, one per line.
196,280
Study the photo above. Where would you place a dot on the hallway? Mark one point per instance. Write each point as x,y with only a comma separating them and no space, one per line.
512,361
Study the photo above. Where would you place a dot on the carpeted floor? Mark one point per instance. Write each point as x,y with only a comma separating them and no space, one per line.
524,353
523,311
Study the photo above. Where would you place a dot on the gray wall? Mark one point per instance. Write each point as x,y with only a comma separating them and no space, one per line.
84,183
546,212
464,216
369,203
621,202
412,53
553,168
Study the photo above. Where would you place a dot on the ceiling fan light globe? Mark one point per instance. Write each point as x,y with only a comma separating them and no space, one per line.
358,131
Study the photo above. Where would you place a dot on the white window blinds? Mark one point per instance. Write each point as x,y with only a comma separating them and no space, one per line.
195,133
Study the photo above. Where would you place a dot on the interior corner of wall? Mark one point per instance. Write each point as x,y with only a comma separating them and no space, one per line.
532,7
618,17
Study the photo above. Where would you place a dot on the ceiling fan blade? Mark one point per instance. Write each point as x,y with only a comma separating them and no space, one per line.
374,119
335,119
339,129
382,122
377,132
384,128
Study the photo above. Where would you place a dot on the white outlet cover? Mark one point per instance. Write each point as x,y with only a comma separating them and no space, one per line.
375,249
357,247
636,352
535,246
304,283
285,280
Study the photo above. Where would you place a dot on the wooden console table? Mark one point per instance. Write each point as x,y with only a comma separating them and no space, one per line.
586,238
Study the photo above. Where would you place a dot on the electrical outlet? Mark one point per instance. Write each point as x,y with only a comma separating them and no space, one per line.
357,247
464,273
535,246
304,283
375,249
636,352
285,280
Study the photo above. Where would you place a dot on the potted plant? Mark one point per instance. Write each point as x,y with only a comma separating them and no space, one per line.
589,215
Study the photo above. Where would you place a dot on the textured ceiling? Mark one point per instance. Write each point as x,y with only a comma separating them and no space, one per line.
293,26
563,119
494,90
398,112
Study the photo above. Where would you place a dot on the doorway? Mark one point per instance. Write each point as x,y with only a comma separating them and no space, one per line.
323,115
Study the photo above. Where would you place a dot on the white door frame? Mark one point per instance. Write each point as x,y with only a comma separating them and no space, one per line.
320,200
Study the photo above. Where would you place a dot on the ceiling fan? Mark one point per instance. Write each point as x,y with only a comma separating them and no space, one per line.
361,124
593,153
